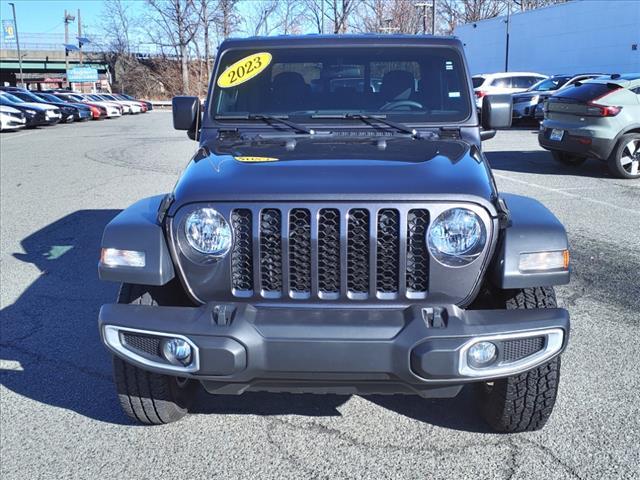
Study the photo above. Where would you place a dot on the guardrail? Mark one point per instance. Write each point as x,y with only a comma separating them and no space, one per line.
161,103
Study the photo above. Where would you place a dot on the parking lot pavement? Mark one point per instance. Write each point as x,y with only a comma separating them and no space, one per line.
58,410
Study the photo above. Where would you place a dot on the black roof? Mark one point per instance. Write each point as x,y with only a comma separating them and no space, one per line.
313,40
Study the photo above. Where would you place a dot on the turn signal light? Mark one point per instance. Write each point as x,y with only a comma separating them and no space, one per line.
114,257
544,261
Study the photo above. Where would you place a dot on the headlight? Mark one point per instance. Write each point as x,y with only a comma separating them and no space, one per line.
208,232
457,237
535,98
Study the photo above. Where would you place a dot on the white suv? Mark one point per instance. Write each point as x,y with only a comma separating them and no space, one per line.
506,82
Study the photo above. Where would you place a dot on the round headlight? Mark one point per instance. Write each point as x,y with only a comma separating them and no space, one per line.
457,237
208,232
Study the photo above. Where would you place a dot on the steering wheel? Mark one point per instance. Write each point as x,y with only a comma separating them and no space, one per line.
398,104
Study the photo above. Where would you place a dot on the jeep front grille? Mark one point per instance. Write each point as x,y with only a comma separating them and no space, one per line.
330,253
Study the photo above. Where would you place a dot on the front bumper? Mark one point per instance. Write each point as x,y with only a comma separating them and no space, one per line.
417,349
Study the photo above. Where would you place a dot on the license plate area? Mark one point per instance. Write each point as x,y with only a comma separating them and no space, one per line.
556,135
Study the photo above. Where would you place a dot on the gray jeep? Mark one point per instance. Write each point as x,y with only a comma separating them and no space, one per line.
338,230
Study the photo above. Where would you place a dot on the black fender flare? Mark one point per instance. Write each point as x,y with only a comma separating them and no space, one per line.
137,228
532,228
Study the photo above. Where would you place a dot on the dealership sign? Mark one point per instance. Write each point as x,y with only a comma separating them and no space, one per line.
82,74
8,30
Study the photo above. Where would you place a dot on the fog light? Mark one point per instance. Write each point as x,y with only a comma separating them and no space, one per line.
481,354
177,351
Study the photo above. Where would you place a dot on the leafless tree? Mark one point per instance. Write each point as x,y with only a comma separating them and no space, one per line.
523,5
177,22
339,12
388,16
290,16
206,17
313,12
259,19
117,22
227,19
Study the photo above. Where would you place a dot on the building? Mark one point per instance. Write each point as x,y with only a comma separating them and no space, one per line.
576,37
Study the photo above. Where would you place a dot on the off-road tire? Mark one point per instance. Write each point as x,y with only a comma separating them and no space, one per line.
569,159
147,397
615,159
524,402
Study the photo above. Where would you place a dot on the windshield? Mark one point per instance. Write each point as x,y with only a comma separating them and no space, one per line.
402,83
477,81
48,96
549,84
28,97
12,98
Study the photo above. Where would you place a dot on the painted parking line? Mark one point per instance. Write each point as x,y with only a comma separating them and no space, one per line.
566,194
18,135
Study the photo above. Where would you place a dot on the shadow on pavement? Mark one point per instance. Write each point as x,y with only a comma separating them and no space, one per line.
52,354
51,349
541,162
459,413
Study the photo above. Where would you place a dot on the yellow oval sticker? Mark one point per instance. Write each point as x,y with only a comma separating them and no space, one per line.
244,69
256,159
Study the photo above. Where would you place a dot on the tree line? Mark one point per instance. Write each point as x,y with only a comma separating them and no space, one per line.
180,37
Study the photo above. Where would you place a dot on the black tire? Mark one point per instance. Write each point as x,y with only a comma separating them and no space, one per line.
622,153
568,158
147,397
524,402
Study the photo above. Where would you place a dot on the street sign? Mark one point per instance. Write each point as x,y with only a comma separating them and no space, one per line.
8,30
82,74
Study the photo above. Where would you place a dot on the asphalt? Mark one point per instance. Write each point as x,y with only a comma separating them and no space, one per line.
59,416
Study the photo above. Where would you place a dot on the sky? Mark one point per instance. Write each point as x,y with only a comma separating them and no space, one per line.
46,16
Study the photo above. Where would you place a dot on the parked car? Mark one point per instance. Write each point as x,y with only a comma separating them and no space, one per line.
124,96
85,111
11,118
599,118
97,111
360,249
37,114
134,107
110,109
525,104
499,83
124,108
69,112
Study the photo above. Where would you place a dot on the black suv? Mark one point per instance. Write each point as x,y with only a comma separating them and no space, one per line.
346,238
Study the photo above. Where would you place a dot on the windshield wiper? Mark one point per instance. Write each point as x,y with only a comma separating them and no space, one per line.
368,118
268,118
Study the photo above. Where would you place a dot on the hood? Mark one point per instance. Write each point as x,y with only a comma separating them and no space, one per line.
395,168
7,109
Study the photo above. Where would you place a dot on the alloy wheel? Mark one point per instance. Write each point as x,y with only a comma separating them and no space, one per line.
630,157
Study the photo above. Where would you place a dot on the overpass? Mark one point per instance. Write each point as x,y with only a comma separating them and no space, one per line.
43,59
41,66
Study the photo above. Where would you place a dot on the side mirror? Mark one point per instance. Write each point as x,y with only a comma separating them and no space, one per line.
496,111
186,114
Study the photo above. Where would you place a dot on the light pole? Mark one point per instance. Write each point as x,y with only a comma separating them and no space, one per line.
67,19
424,6
506,52
15,25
